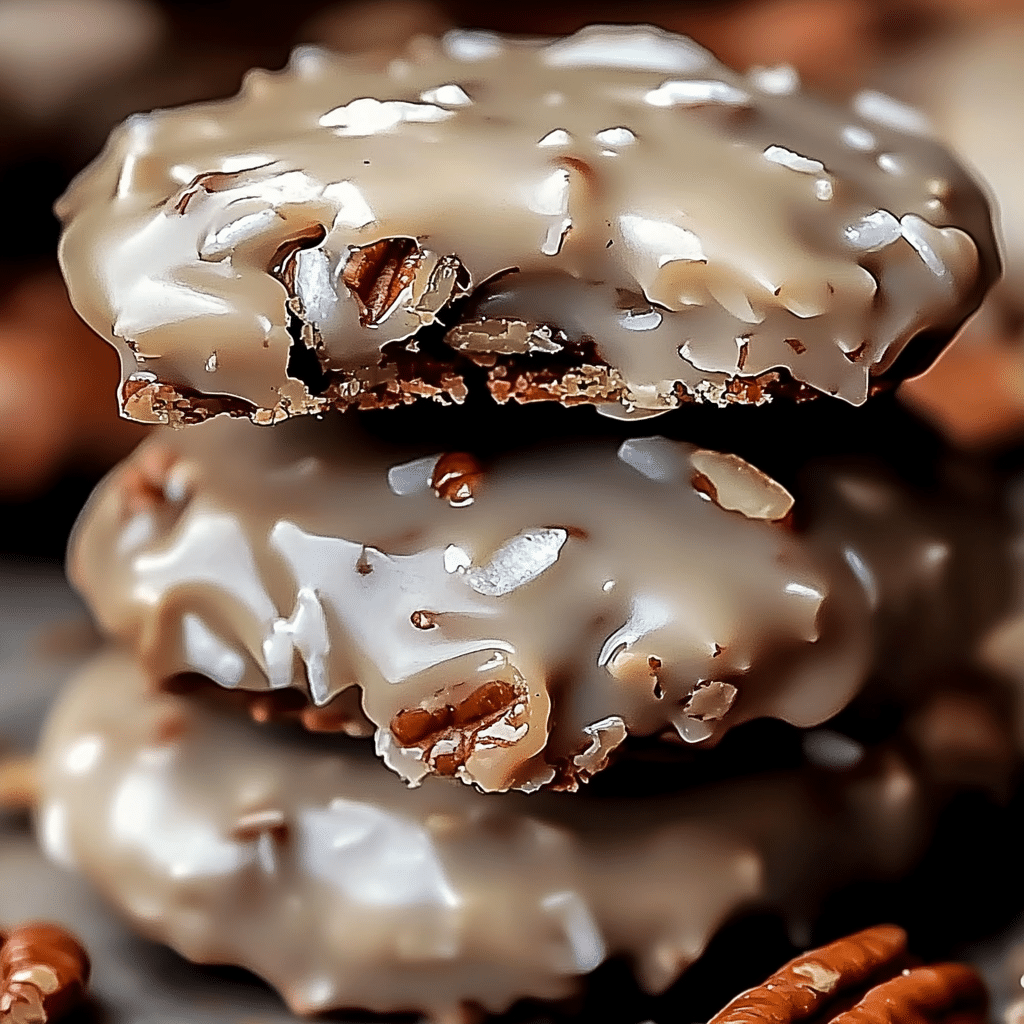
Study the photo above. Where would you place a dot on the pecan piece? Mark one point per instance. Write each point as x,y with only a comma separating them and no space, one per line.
947,993
378,273
492,715
456,478
44,971
862,979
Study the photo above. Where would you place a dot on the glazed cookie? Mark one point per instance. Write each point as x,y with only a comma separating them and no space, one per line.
508,624
610,218
312,865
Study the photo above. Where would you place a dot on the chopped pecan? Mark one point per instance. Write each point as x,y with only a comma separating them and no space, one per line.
152,401
44,971
735,485
143,479
378,273
578,385
456,478
449,734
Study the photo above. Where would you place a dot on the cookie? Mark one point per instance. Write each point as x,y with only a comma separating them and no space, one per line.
313,866
613,218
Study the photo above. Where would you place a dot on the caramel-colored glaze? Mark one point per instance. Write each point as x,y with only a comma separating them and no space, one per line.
512,641
312,865
635,225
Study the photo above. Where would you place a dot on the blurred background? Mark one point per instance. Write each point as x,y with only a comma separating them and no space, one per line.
71,69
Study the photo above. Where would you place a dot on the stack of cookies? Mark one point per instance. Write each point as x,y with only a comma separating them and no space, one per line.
484,606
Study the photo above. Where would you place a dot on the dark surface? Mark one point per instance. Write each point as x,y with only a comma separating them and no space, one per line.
39,527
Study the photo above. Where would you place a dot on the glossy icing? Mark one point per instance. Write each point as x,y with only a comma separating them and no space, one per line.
510,623
313,866
612,217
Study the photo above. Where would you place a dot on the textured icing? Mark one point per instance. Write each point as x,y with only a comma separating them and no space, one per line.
658,229
313,866
511,639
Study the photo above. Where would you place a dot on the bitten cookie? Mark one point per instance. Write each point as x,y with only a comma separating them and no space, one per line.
611,218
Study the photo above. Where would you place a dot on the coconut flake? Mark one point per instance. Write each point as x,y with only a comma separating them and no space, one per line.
223,241
551,197
468,45
781,80
696,92
647,320
618,136
517,562
891,113
921,235
450,95
353,209
556,137
873,231
412,477
314,286
456,559
367,116
738,486
794,161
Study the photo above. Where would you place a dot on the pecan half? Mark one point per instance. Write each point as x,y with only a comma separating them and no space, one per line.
862,979
44,971
378,273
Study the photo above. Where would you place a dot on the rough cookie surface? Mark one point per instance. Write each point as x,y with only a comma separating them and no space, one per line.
507,624
610,218
313,866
